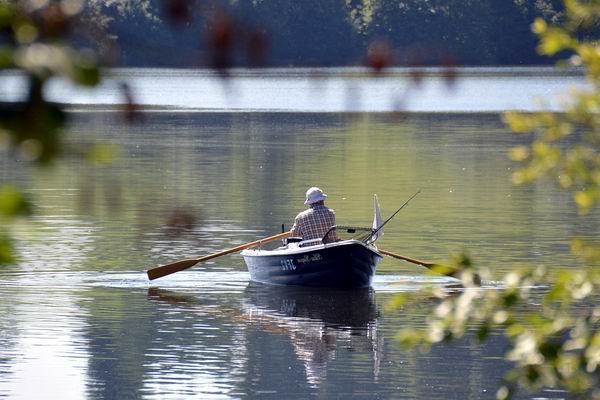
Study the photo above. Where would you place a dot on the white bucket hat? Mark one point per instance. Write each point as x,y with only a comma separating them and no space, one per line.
313,195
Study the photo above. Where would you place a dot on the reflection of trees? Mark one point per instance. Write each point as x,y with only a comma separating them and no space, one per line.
211,163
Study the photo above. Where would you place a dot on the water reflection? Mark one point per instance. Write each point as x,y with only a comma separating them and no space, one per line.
317,324
214,335
7,346
117,334
41,345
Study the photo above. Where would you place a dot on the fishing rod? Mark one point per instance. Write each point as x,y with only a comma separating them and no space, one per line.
393,215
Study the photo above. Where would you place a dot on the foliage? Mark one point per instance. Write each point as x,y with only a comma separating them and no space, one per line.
328,32
36,45
557,344
125,7
565,146
549,347
13,203
36,40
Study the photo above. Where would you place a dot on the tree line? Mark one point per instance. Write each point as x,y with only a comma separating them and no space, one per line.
187,33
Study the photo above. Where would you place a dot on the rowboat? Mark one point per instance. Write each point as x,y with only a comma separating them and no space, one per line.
343,264
345,257
327,261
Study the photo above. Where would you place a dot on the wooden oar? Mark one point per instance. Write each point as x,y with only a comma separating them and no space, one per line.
411,260
177,266
441,269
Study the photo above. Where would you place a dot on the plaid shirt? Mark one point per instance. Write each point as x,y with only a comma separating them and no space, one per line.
314,222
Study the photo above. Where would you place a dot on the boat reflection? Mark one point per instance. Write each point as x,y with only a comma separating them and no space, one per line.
317,322
342,308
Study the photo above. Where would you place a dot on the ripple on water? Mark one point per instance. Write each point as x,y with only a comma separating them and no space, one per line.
211,281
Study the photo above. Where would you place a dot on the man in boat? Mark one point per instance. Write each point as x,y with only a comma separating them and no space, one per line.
315,222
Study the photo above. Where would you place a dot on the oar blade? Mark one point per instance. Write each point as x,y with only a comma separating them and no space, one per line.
168,269
445,270
177,266
437,268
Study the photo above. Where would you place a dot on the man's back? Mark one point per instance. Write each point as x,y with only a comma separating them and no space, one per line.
314,222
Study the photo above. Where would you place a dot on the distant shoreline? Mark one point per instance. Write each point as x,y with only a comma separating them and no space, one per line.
343,72
149,109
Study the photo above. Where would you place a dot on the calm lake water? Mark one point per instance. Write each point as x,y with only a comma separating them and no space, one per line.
79,319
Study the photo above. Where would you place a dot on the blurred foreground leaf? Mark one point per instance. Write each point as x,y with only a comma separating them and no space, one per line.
555,344
37,41
7,254
103,154
13,202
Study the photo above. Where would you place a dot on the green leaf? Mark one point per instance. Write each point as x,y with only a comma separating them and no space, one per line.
532,374
539,26
520,153
550,351
483,332
510,298
515,330
85,70
6,15
13,202
520,123
585,200
6,56
103,154
555,40
397,302
7,255
409,337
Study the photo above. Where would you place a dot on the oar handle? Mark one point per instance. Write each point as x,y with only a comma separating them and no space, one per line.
177,266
